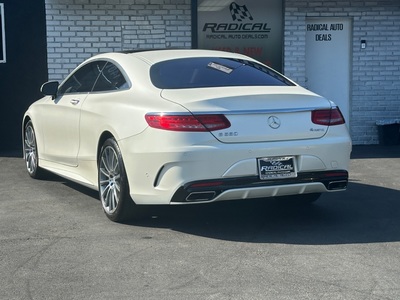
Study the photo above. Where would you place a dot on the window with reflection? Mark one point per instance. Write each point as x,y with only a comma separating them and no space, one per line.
110,79
83,79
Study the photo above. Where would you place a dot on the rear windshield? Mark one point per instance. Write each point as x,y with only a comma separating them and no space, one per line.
213,72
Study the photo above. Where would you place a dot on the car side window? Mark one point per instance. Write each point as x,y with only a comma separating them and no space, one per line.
83,79
110,79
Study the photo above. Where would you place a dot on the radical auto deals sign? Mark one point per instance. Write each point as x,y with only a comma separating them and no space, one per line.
250,27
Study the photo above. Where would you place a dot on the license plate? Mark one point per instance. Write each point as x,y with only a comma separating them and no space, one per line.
277,167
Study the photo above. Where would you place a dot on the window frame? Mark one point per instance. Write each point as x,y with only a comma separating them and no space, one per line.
106,62
75,72
123,73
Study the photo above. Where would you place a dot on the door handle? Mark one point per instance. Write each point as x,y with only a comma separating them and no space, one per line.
74,101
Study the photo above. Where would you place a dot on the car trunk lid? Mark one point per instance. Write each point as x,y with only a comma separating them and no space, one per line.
256,114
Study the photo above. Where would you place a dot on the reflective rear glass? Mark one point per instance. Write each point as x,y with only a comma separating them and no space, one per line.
213,72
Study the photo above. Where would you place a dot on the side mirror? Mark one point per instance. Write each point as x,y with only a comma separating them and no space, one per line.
50,88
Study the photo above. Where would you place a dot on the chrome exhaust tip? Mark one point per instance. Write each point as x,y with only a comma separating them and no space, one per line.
337,185
200,196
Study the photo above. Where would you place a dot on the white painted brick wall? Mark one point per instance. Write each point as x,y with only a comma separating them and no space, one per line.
375,85
78,29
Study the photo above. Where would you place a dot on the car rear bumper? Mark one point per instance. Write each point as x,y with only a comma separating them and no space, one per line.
253,187
162,172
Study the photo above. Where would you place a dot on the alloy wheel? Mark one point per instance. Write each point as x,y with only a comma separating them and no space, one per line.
30,151
110,179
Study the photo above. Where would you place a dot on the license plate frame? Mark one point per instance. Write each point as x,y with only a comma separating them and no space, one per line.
277,167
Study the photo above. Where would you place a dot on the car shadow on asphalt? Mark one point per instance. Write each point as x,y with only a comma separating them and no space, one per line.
375,151
362,214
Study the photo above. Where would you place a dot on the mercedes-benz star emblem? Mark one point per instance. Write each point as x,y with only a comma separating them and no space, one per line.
274,122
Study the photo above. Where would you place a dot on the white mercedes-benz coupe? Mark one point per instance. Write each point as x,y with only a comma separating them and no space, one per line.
184,127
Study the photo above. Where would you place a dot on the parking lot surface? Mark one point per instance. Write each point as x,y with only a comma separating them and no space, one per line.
56,243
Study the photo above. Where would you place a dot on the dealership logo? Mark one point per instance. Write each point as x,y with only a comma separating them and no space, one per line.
240,13
243,23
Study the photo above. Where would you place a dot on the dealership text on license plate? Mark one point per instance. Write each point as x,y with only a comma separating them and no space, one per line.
277,167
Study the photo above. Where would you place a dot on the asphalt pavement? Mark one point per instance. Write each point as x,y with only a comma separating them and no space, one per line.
56,243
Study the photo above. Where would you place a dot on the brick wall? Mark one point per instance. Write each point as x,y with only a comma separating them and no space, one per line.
375,89
77,29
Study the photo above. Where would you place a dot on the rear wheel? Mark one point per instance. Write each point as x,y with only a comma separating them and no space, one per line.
30,152
113,184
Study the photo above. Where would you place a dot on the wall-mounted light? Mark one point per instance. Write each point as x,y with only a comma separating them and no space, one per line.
363,44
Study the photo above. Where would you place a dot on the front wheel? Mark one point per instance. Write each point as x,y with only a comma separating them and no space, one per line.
113,184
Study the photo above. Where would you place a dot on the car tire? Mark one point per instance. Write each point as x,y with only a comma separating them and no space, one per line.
113,184
31,156
299,199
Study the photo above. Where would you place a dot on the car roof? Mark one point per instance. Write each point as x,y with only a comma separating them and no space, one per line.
153,56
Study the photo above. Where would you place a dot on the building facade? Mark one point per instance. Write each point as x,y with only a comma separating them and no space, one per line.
78,29
23,65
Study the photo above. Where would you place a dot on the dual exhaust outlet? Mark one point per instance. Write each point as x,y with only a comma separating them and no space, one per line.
210,195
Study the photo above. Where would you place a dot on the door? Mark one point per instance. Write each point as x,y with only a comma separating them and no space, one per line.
61,129
328,60
62,119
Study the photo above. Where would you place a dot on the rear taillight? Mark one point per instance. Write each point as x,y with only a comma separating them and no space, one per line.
327,117
187,122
